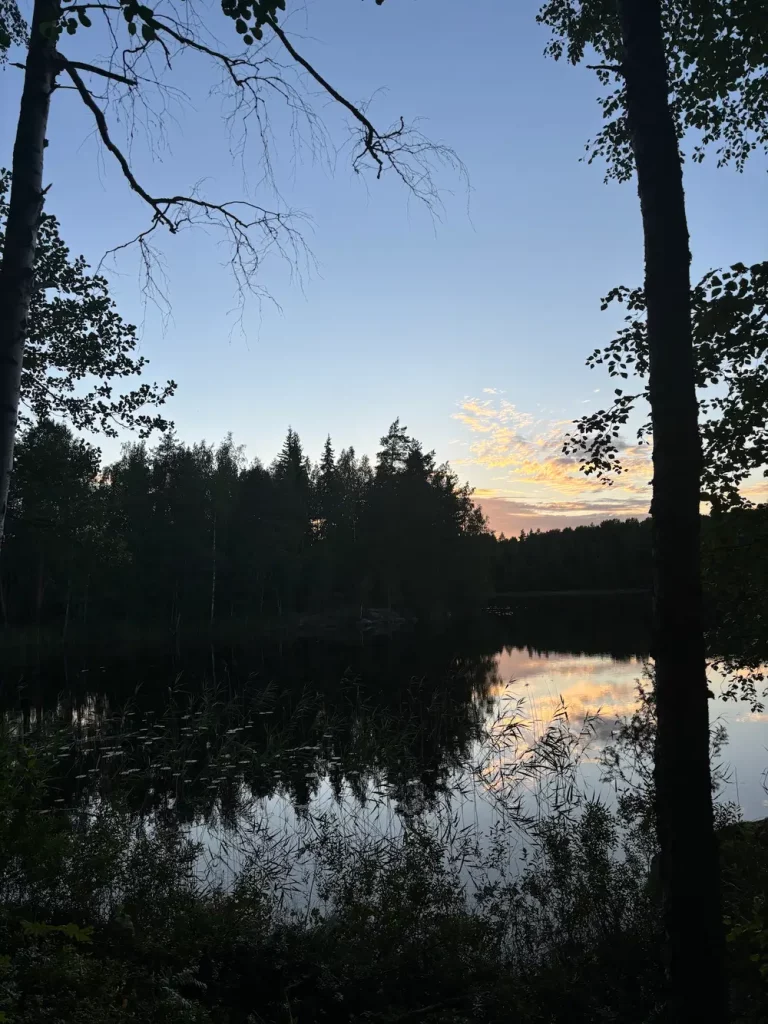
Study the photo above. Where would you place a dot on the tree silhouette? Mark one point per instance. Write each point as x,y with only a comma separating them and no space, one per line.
256,76
57,521
730,339
75,335
670,62
188,534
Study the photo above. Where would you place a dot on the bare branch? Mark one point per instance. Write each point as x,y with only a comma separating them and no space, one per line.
79,65
101,124
239,220
103,72
371,135
402,148
248,80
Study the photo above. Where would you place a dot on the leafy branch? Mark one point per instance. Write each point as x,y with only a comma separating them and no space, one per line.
730,333
717,54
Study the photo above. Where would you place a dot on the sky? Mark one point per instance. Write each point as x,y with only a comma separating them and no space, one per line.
470,322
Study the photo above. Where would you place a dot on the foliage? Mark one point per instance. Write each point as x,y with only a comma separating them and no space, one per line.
730,336
745,878
717,53
78,348
735,577
13,28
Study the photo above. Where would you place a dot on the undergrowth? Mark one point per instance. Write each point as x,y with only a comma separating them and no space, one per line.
104,915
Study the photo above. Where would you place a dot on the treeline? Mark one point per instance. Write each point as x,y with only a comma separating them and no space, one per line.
189,534
612,555
182,535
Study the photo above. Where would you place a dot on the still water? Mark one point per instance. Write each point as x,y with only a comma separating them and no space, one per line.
261,739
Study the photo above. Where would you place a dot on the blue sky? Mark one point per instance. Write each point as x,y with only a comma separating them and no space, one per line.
472,328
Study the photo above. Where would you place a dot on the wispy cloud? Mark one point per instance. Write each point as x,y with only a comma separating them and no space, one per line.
511,515
531,450
493,391
535,485
619,507
756,490
542,482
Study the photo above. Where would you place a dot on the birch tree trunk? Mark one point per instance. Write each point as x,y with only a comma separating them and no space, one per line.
689,860
24,211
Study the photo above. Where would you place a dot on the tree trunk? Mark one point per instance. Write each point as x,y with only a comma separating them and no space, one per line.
24,211
689,861
85,599
213,572
66,609
40,591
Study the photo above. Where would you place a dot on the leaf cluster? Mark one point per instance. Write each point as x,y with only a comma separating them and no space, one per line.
717,52
78,348
730,336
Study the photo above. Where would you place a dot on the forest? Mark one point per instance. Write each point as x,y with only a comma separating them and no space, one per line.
194,535
191,534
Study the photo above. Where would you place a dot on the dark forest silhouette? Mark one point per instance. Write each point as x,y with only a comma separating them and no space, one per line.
612,555
183,534
191,534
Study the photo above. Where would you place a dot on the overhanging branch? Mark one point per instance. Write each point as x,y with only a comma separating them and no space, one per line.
371,135
103,129
402,148
64,63
79,66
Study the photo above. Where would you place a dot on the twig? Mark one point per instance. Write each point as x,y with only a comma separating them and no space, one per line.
229,62
101,124
63,62
371,135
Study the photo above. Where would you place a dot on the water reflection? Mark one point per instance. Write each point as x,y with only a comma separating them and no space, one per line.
375,727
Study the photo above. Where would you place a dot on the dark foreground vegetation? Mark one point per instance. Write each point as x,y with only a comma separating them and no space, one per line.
114,911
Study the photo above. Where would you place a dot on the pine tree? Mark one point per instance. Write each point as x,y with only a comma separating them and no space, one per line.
327,492
395,446
327,464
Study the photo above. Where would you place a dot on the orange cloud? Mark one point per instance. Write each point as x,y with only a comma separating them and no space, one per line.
756,491
549,483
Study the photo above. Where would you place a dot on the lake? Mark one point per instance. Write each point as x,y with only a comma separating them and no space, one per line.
254,742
